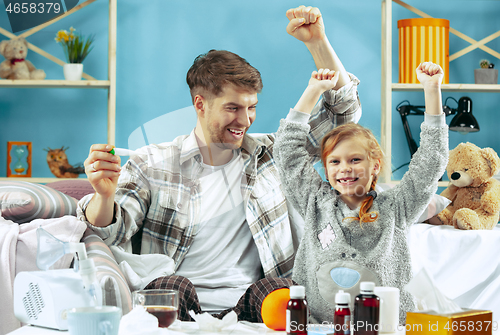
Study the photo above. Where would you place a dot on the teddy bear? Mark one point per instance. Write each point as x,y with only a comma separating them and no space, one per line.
474,193
15,65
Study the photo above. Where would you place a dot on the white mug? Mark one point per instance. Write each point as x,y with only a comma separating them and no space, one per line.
389,309
102,320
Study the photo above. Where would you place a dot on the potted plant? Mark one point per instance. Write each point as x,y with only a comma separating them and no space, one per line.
486,74
76,49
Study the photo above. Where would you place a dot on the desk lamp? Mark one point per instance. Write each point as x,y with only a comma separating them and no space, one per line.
463,122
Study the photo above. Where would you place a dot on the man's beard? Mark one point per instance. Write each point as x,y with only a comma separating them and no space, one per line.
218,139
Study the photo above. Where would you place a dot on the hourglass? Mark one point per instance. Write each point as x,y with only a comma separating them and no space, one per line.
18,159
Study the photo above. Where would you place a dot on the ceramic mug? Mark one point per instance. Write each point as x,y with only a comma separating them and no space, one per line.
163,304
101,320
389,308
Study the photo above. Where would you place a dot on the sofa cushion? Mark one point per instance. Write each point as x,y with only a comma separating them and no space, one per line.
74,188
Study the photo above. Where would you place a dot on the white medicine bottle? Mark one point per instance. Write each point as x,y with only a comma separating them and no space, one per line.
297,311
342,315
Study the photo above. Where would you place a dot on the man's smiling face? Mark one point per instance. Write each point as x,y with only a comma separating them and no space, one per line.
229,115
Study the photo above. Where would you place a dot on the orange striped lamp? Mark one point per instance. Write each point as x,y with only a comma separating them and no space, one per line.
422,40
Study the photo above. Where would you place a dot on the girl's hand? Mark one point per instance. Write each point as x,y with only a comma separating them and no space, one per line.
323,80
430,74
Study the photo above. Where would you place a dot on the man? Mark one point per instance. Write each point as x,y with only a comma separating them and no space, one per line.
212,200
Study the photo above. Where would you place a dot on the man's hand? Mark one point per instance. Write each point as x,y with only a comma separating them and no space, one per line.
306,24
430,74
103,170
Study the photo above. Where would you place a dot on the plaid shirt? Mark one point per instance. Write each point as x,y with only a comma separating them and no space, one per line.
157,201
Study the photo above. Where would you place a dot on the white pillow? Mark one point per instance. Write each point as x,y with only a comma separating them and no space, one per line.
436,205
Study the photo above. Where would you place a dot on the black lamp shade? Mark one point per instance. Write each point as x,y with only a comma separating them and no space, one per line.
464,121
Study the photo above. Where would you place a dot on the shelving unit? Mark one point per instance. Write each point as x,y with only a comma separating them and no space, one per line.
387,87
89,83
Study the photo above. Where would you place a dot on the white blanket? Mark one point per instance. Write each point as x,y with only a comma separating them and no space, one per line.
18,245
140,270
465,264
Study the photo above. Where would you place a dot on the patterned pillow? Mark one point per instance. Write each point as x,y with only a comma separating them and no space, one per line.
23,202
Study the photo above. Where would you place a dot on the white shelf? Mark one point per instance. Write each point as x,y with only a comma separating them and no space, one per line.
487,88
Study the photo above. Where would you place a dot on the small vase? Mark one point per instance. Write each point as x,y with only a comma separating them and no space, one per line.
486,76
73,71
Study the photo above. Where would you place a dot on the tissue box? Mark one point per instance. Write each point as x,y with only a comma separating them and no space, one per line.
470,321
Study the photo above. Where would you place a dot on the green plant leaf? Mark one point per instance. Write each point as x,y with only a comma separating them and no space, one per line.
77,49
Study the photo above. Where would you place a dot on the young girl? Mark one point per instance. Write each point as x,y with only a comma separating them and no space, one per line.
352,234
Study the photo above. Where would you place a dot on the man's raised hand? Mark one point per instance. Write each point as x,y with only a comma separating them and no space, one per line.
306,24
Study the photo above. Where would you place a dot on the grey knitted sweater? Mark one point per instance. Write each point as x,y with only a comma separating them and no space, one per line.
338,254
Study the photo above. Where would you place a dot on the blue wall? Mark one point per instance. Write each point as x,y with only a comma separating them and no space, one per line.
158,40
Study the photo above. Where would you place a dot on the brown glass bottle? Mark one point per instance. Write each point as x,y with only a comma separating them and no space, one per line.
366,311
297,311
342,315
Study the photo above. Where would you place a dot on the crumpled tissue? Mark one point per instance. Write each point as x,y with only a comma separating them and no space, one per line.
139,321
207,322
428,296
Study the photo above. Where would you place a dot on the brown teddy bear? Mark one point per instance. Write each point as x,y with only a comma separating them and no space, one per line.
474,193
15,65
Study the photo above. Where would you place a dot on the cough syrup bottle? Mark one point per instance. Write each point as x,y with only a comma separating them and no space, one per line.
366,311
342,315
297,311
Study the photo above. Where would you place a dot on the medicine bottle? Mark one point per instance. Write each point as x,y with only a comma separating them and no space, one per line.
366,311
342,315
297,311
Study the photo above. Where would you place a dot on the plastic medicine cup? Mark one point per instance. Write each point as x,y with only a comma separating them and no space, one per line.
163,304
99,320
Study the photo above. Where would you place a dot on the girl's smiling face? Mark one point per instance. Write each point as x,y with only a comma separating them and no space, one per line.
351,171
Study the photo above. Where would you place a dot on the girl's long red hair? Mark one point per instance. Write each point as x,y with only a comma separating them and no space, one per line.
354,130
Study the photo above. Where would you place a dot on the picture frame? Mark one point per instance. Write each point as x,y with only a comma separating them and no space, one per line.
19,159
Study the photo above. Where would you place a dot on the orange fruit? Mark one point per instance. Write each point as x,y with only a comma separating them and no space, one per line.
273,309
